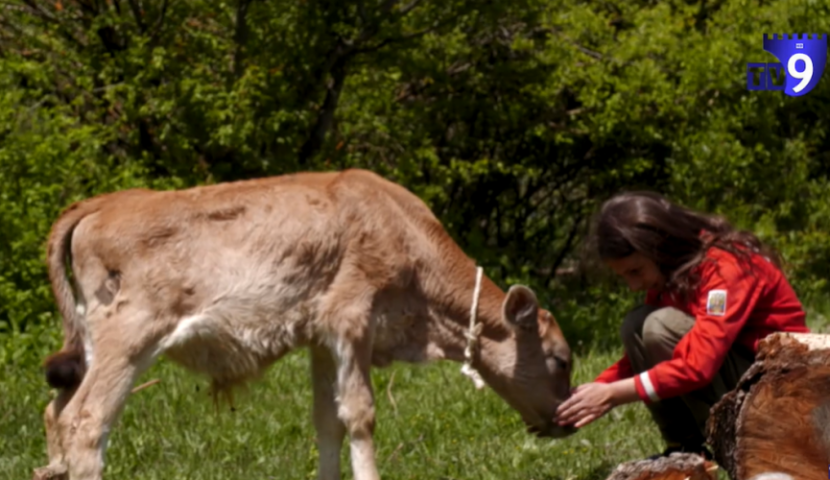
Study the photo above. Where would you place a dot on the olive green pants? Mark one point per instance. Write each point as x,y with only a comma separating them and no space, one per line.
649,335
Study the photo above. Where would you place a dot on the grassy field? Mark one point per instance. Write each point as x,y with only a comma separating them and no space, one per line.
432,424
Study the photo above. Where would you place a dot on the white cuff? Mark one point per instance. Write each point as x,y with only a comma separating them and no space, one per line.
649,387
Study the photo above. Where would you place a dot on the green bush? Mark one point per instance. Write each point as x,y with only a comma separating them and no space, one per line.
513,121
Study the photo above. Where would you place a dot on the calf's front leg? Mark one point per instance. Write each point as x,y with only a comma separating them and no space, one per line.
330,430
355,403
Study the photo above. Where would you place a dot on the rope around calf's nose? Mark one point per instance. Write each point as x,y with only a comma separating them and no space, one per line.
472,336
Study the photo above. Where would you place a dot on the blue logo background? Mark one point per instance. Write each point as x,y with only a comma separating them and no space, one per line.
802,58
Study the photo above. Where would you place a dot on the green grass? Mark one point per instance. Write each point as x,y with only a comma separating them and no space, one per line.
439,427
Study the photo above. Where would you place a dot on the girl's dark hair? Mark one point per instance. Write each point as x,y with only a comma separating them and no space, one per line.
673,237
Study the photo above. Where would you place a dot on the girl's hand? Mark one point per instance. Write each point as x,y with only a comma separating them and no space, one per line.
588,402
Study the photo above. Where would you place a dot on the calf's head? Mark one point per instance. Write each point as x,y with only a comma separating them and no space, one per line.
531,368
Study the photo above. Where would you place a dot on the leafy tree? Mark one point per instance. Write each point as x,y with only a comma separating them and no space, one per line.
512,120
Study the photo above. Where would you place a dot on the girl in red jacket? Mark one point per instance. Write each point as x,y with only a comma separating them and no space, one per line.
712,293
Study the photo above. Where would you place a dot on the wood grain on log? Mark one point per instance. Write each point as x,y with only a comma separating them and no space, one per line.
677,466
777,419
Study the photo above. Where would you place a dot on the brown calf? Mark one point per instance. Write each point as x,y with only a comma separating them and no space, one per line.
226,279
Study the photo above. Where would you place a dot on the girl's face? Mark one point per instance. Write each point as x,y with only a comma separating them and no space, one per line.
640,272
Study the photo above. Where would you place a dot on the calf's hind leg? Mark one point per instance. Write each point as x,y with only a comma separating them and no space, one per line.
56,469
86,421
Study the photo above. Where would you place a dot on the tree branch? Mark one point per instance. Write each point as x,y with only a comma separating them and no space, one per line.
563,252
387,6
37,10
401,39
136,8
336,63
370,31
408,7
240,36
326,116
157,26
361,10
40,11
89,7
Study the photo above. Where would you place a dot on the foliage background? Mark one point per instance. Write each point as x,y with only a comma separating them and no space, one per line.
512,120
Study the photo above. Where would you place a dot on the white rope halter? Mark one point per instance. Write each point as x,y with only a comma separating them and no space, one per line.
472,336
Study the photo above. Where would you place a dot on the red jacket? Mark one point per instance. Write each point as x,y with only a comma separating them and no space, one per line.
755,306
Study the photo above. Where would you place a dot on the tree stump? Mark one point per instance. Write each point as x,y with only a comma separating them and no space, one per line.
677,466
777,419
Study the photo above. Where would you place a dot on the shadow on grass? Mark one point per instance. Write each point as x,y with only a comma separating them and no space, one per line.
601,471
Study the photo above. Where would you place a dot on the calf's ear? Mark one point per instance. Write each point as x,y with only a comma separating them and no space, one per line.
521,308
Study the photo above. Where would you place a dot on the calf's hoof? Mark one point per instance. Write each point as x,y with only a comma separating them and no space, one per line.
51,472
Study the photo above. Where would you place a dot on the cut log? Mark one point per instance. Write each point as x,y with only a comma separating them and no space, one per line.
777,419
677,466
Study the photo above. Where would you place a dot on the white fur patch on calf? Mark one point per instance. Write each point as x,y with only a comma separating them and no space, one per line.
80,310
772,476
187,329
229,346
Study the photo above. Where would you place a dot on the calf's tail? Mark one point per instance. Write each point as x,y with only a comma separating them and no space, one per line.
66,368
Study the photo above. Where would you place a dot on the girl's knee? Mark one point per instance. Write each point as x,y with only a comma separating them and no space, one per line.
632,325
662,330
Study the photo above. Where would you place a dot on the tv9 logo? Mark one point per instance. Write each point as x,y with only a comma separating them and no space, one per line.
802,55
